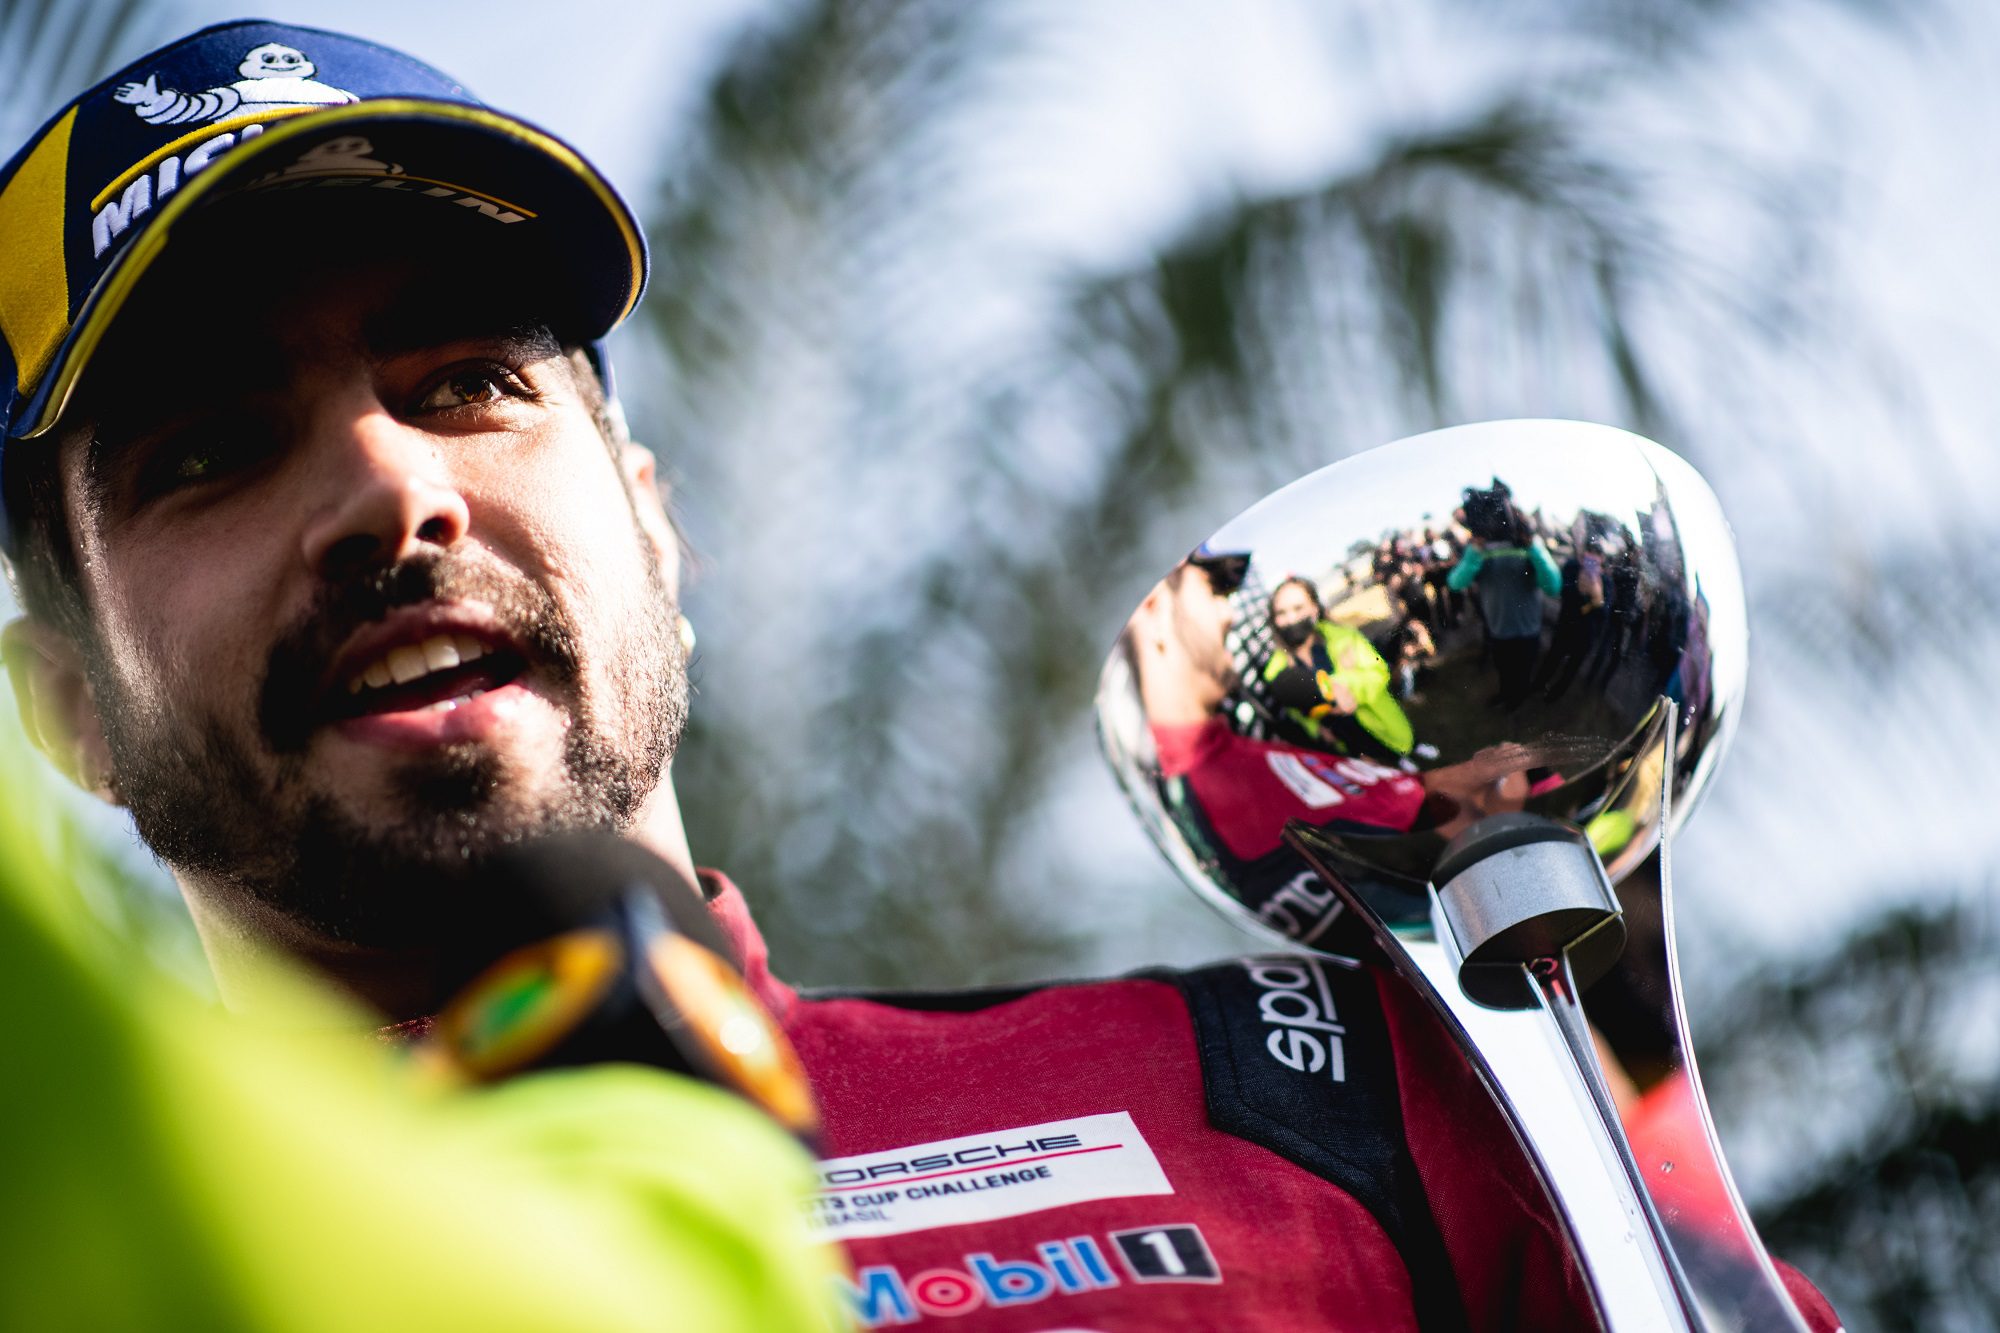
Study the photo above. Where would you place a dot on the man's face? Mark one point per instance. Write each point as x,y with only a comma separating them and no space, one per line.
370,593
1201,619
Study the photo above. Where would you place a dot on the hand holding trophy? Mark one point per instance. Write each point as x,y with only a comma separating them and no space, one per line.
1428,706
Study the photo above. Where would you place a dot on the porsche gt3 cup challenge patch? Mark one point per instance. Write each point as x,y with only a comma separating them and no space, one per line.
983,1177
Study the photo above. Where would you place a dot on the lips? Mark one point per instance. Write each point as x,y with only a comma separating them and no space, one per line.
421,669
404,648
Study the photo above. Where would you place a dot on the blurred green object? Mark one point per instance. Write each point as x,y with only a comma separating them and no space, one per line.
169,1166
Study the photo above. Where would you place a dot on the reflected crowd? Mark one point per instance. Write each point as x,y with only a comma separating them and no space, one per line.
1498,658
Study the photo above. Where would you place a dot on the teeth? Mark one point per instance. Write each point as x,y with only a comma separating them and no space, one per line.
447,705
404,664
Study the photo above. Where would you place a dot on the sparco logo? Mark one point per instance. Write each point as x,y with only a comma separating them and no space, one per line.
1303,908
1294,999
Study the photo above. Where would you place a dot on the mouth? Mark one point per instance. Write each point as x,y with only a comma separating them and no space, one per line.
436,674
419,654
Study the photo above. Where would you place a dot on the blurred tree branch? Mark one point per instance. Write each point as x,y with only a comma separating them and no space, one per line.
982,458
50,49
1882,1049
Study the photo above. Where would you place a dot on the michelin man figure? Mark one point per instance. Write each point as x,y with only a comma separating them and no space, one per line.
274,76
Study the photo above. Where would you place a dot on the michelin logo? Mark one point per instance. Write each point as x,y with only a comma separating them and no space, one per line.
349,161
347,155
346,160
274,76
126,201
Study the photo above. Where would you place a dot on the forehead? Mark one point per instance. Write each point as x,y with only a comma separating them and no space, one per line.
1194,591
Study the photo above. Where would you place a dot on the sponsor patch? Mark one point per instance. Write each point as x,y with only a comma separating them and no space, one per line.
1302,908
983,1177
1296,1004
275,76
1167,1254
883,1295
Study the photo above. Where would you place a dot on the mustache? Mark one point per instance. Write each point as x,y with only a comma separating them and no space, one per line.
289,702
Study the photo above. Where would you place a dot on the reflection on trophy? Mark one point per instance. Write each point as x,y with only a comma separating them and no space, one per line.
1432,706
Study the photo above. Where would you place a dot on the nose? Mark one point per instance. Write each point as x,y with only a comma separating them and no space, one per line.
389,495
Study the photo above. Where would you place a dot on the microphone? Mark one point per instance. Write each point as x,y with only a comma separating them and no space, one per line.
583,949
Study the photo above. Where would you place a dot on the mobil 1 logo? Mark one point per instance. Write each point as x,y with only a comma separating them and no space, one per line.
1166,1254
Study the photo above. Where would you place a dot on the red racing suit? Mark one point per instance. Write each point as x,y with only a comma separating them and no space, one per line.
1278,1143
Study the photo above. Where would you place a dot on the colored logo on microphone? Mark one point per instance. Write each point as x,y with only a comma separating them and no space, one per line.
737,1039
518,1009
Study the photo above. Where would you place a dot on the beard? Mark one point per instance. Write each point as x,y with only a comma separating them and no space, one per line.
242,812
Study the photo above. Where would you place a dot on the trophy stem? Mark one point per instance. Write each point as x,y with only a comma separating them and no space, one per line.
1555,986
1541,1087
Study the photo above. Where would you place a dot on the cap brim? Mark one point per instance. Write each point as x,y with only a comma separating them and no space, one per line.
445,155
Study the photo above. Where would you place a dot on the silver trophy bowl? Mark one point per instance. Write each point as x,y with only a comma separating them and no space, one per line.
1434,705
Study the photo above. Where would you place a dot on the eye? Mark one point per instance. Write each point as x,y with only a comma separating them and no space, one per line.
197,465
472,386
195,459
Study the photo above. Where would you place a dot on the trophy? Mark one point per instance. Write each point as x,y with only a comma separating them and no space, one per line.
1435,705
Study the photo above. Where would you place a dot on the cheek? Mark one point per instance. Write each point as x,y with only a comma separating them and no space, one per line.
183,626
575,519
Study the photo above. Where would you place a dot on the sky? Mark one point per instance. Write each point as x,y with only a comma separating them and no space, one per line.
606,75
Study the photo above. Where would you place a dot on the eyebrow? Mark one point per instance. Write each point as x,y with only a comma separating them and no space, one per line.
388,335
413,326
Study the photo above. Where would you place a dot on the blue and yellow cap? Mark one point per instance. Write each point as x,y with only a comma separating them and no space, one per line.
92,200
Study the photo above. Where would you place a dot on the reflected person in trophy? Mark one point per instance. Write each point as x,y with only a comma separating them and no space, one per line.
1411,650
1232,793
1329,680
1241,788
1510,572
1581,623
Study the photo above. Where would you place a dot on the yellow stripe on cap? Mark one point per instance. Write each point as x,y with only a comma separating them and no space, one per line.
34,277
564,154
167,150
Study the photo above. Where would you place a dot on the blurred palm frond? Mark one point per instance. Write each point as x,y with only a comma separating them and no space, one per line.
979,454
52,49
